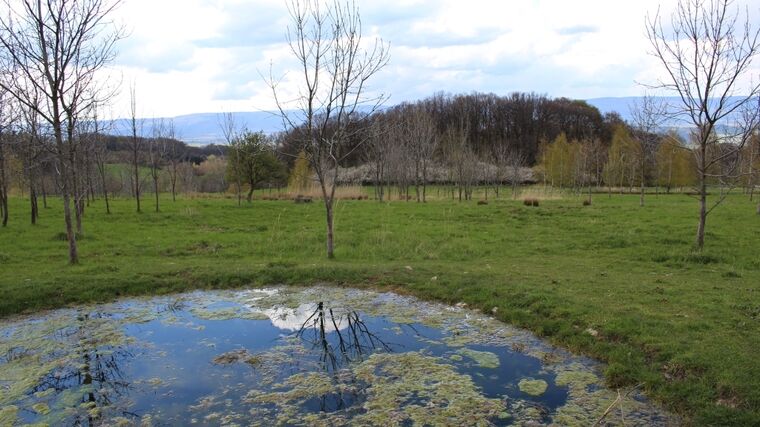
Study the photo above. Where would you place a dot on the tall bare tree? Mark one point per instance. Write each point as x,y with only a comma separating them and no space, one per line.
33,152
55,49
7,118
461,159
377,154
163,132
3,183
176,158
706,48
335,65
648,114
515,160
100,154
423,141
175,152
232,136
136,143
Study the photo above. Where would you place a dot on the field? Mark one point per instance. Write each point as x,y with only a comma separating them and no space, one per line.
611,280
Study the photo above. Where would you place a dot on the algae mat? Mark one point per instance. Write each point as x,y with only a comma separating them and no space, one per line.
296,356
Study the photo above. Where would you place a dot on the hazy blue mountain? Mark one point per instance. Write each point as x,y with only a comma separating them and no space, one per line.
623,105
204,128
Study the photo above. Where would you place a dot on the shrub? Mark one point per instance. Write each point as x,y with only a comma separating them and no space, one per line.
531,202
482,202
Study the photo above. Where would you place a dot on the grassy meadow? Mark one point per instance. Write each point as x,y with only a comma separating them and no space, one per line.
613,280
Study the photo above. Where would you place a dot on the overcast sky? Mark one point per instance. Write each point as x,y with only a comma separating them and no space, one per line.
192,56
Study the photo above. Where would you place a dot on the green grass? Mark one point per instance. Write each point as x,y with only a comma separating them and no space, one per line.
685,325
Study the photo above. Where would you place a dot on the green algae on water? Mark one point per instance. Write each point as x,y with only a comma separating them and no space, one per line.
8,415
484,359
533,387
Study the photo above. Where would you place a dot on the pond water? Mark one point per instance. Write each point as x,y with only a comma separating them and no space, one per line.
295,356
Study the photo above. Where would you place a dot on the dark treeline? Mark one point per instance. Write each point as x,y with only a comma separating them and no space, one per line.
120,147
522,121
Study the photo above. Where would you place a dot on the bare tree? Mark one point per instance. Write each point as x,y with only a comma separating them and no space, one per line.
55,49
706,50
423,141
176,154
647,115
33,153
461,159
515,160
3,183
498,155
136,143
335,66
232,137
157,148
752,159
100,153
7,118
377,154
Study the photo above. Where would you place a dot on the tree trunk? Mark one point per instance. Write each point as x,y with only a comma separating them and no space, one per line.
71,236
108,204
44,193
330,236
417,181
105,190
136,171
91,194
155,189
66,193
4,205
641,199
249,197
3,188
424,183
700,241
33,201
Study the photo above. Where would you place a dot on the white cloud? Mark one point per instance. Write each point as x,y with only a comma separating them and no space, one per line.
206,55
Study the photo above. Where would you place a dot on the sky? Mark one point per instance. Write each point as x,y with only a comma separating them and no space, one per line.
196,56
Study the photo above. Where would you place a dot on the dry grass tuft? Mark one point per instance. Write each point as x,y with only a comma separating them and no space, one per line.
353,192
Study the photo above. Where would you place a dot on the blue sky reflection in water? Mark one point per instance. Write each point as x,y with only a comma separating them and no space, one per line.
292,356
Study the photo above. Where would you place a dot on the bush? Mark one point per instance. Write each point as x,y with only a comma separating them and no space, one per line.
482,202
531,202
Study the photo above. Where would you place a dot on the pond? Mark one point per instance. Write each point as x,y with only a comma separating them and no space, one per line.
296,356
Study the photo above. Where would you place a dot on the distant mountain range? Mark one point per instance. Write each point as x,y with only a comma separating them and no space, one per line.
204,128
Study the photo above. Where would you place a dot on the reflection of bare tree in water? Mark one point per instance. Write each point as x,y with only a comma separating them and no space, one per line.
354,342
99,373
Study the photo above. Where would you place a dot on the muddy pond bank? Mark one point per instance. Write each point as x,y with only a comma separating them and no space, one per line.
296,356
